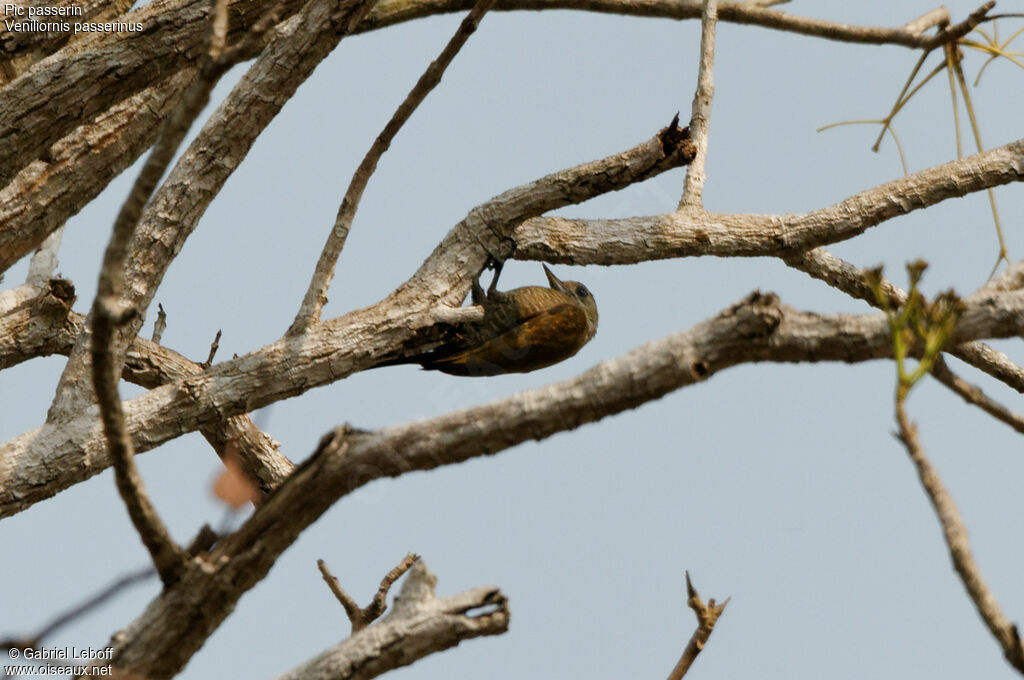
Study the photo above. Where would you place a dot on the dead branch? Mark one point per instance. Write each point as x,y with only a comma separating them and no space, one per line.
361,617
419,625
707,617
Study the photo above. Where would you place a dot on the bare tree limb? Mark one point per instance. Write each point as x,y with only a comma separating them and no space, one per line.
109,309
911,35
39,322
170,218
46,103
419,625
707,617
361,617
178,31
168,558
76,168
938,17
973,394
842,275
255,380
316,295
34,320
955,533
38,108
757,329
700,118
160,325
362,338
24,48
952,33
681,234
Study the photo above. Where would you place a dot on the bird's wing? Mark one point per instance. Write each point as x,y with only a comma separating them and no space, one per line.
541,339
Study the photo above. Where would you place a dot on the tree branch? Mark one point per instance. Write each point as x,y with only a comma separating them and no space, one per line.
707,617
681,234
170,218
316,295
38,322
420,625
76,168
172,38
361,617
757,329
361,338
700,118
843,276
44,104
109,310
911,35
955,533
973,394
337,348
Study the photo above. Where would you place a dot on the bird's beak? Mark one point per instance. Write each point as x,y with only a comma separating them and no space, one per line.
554,281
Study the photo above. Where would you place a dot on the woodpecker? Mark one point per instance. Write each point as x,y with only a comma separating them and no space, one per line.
522,330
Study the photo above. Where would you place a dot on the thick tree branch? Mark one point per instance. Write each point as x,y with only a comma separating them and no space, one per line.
77,168
842,275
38,322
44,104
419,625
335,349
639,239
757,329
171,217
175,30
110,310
26,47
447,274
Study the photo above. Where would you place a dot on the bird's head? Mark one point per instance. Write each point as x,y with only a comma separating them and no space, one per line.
581,294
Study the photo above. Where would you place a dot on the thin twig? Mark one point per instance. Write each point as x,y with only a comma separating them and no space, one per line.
362,617
972,394
693,186
903,97
214,346
316,294
949,48
707,616
167,556
955,533
976,131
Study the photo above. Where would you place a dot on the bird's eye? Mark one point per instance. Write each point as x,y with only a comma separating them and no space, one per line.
582,292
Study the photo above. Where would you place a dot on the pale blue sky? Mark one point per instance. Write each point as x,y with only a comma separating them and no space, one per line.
778,485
